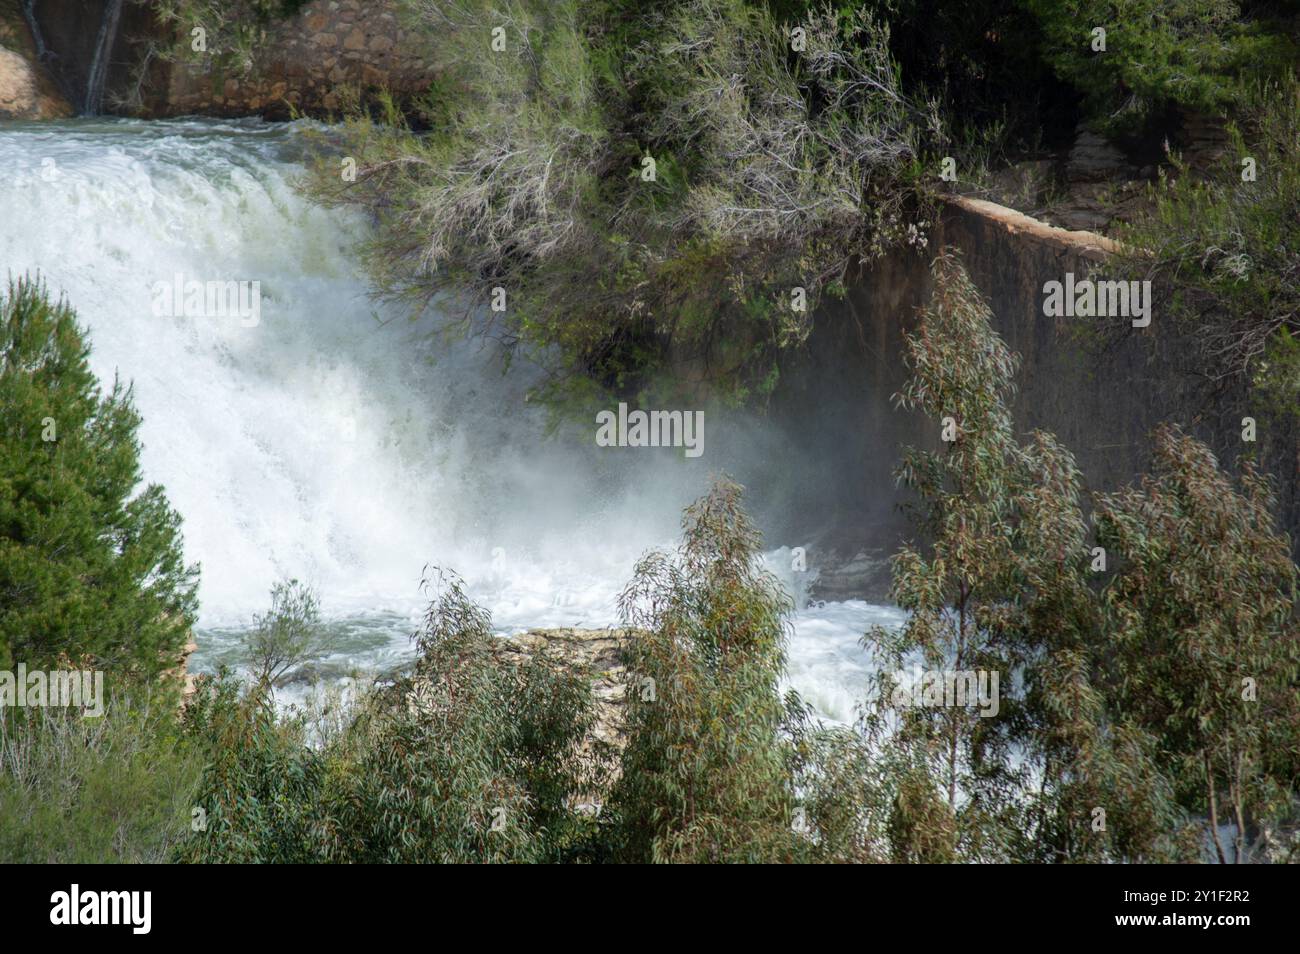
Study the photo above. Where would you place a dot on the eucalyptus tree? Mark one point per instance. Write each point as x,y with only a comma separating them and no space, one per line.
997,587
1203,644
706,775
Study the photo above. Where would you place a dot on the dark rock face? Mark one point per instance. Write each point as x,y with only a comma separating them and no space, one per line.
70,31
836,399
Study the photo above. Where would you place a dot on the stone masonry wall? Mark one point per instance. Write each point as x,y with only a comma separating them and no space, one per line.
329,44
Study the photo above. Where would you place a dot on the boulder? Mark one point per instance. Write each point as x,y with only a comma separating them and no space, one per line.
24,92
598,653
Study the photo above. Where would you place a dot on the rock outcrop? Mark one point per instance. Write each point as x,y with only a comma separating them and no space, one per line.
180,671
26,89
596,653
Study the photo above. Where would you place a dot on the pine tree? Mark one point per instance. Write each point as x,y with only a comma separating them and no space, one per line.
88,565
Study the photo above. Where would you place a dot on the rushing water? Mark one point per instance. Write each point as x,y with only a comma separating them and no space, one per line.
334,444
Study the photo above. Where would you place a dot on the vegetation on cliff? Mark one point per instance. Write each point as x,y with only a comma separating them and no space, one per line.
610,184
1223,253
655,196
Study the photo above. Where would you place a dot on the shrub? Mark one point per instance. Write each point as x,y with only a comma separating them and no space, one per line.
471,759
233,31
288,635
75,790
1224,254
706,772
1204,646
1197,54
261,790
773,169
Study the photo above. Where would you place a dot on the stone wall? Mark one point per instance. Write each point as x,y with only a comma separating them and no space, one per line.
306,59
302,64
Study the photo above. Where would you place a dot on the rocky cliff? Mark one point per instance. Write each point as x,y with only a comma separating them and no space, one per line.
836,403
27,89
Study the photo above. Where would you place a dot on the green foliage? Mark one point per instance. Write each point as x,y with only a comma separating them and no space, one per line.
261,786
76,790
773,169
288,635
705,775
1125,699
841,790
234,30
89,563
999,590
1196,54
472,759
1204,643
1224,254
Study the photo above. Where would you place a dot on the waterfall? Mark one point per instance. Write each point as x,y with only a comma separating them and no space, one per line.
94,100
38,38
323,444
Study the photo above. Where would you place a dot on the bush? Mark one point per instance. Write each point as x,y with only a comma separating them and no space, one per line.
75,790
1204,644
1223,254
90,564
261,790
288,635
471,759
773,169
1200,55
706,772
234,31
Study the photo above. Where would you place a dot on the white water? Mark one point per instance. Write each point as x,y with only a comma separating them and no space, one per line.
328,443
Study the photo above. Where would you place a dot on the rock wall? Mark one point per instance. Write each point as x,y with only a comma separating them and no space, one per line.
27,90
300,66
837,404
329,44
